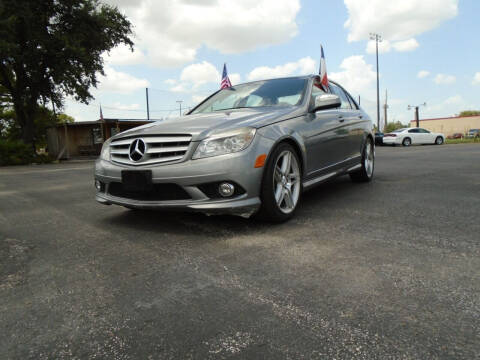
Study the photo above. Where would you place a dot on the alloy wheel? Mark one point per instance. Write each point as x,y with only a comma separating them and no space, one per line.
286,182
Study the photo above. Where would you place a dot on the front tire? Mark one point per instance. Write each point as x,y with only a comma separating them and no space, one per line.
282,185
365,174
407,142
439,140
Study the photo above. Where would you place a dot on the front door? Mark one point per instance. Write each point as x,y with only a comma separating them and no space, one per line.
323,132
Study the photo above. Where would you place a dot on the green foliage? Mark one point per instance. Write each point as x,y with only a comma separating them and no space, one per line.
469,113
392,126
64,118
15,152
50,49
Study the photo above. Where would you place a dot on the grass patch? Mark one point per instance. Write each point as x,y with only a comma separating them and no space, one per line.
463,141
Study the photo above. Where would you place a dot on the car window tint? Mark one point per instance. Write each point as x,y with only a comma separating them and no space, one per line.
413,131
424,131
343,97
354,104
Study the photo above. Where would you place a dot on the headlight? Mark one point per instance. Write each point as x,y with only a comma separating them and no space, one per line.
105,153
225,143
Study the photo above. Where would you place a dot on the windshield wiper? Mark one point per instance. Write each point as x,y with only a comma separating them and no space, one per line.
232,108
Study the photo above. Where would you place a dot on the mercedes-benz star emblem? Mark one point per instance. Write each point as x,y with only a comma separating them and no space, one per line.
137,150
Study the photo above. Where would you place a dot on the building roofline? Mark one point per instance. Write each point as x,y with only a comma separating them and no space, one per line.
446,118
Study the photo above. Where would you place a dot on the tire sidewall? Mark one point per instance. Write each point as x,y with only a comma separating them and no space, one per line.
269,209
404,142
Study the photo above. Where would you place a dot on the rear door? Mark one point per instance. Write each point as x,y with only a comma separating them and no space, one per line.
351,117
415,136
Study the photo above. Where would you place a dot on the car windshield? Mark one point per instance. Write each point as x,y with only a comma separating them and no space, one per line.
399,130
272,93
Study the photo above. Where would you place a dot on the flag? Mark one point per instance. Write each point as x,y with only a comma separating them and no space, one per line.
225,80
101,114
323,71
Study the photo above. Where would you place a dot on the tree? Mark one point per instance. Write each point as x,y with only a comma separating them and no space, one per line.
52,48
470,113
392,126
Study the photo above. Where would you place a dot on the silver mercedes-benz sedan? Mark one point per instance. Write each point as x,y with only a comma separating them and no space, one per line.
249,149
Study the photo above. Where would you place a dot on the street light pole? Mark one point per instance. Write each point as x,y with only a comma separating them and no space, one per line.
417,116
180,103
377,38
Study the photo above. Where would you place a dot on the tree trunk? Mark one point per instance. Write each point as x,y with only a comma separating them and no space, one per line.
25,117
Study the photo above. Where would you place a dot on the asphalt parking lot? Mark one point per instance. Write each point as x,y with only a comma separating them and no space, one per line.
389,269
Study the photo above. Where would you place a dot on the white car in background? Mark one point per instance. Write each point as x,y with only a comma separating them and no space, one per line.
413,136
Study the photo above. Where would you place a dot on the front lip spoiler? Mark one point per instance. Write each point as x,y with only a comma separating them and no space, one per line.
241,207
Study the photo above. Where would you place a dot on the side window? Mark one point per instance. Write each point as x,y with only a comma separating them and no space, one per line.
354,104
343,97
423,131
413,131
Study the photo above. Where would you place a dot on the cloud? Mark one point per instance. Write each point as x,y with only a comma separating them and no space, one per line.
423,74
396,21
169,32
122,106
170,81
383,47
235,78
444,79
303,66
120,82
199,74
476,79
450,106
122,55
356,76
405,45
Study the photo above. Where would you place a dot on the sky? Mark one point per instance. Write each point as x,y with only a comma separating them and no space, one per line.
429,53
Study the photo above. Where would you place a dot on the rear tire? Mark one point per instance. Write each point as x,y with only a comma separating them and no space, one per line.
365,173
281,185
407,142
439,140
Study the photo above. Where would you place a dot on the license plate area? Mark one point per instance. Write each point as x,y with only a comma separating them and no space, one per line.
137,180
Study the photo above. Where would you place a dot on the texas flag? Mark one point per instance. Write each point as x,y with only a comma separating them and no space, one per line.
225,80
323,71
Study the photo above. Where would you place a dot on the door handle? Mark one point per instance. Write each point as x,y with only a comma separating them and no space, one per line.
341,119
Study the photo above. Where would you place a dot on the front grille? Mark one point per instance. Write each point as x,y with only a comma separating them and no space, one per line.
158,149
159,192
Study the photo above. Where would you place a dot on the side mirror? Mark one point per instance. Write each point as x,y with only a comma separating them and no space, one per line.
326,101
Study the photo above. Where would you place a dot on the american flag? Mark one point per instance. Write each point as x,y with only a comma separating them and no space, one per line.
225,84
101,114
323,71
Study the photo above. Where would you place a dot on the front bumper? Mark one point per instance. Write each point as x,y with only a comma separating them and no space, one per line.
190,175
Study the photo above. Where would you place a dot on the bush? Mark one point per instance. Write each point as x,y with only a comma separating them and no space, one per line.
14,152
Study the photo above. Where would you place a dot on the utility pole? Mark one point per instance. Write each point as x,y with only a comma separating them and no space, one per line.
377,38
180,103
417,117
148,109
385,107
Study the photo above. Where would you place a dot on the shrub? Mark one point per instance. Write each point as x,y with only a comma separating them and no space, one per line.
14,152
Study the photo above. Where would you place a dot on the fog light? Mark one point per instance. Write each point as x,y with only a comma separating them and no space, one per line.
98,185
226,189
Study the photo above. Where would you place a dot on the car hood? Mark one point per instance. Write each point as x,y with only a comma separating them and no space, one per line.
201,126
